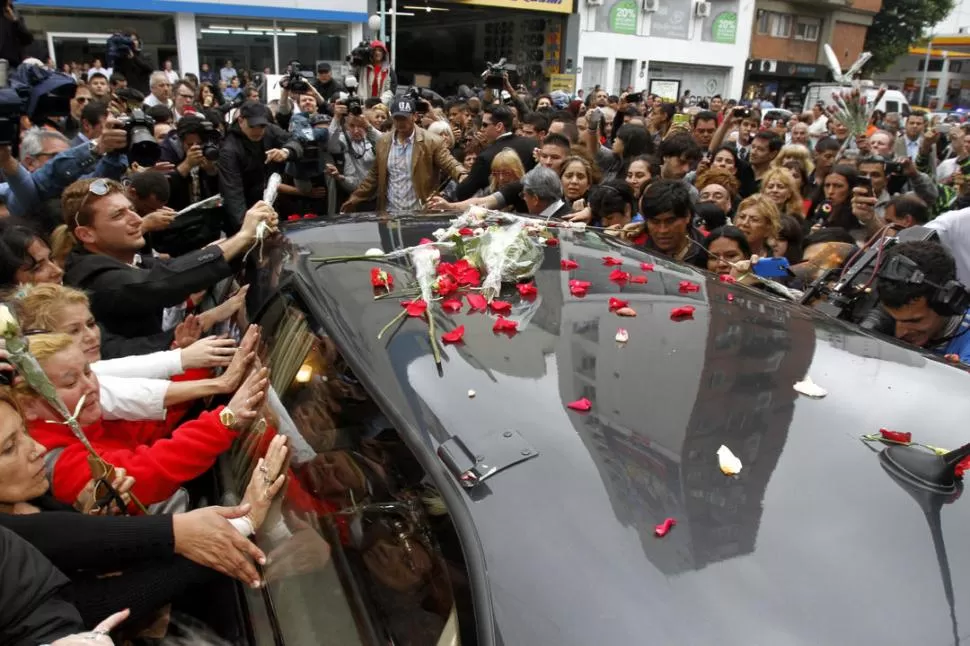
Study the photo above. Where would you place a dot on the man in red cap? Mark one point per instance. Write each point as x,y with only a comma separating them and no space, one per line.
377,78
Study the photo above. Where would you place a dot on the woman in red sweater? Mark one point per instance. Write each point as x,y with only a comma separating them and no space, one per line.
159,460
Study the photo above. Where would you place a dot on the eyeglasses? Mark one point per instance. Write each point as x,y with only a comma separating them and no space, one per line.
82,99
99,187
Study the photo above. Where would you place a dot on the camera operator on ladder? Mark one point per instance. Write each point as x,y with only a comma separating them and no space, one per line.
917,287
377,79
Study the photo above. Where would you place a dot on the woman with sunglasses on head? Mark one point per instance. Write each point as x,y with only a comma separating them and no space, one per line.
152,560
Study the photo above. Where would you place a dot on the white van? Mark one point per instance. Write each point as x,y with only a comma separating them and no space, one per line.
892,100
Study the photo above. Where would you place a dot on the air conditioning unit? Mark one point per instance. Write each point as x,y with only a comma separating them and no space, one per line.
702,9
651,6
594,3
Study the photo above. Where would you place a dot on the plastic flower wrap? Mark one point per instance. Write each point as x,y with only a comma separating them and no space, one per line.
508,255
853,109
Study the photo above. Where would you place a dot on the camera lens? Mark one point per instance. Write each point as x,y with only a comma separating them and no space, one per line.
142,147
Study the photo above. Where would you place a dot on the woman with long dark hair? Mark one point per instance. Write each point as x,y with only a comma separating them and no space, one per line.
25,257
832,203
631,142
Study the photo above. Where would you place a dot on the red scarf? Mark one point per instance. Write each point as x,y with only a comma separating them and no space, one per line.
378,81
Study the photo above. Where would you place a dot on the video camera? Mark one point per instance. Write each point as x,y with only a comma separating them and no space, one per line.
494,75
36,92
360,56
296,81
120,46
142,147
850,294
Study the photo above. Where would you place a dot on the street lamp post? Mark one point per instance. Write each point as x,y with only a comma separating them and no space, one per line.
926,68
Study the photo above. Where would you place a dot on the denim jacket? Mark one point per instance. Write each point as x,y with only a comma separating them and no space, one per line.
26,190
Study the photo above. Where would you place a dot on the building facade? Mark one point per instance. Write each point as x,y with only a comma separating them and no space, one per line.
787,39
667,47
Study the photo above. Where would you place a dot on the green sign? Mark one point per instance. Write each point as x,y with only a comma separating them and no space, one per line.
623,17
724,28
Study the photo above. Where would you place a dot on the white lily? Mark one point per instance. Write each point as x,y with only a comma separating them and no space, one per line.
730,464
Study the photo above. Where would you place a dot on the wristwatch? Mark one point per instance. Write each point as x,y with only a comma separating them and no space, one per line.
228,418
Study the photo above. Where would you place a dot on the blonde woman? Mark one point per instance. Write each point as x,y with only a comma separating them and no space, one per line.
760,220
506,169
778,185
794,156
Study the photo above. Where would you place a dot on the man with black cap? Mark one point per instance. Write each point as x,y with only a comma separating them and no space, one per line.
409,164
252,149
325,83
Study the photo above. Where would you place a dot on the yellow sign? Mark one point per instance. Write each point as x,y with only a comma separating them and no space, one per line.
564,82
549,6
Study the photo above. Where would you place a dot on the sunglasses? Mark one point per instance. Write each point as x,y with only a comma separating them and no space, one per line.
98,187
82,99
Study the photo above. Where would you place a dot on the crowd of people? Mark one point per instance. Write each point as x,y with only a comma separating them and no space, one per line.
107,270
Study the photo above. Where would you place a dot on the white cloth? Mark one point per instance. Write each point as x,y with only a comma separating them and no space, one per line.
172,76
133,399
954,230
98,70
157,365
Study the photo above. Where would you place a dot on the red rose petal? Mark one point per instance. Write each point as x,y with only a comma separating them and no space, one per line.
730,298
527,290
687,287
581,405
961,467
619,276
451,305
616,303
417,307
896,436
446,285
477,302
663,528
503,324
425,241
610,261
577,291
380,278
580,284
500,307
292,218
682,313
465,231
552,242
727,278
639,280
646,266
566,265
455,336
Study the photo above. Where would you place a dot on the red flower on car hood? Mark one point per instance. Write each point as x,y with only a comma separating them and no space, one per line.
477,302
640,280
682,313
527,290
646,266
619,276
581,405
567,264
464,273
503,324
896,436
610,261
446,285
616,303
455,336
500,307
451,305
380,278
417,307
687,287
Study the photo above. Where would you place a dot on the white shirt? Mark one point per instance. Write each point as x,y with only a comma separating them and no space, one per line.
400,185
954,230
133,399
157,365
151,101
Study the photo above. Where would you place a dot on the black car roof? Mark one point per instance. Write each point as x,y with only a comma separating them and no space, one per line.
813,543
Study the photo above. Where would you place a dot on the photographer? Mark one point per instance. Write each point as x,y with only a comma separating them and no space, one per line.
124,57
352,143
14,35
252,144
888,178
304,185
325,84
377,79
917,287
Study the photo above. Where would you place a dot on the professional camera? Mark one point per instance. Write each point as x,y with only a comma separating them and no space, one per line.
142,147
741,112
360,56
120,46
350,98
211,138
494,75
36,92
296,80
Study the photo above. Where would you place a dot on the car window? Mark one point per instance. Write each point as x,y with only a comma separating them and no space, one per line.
353,556
892,106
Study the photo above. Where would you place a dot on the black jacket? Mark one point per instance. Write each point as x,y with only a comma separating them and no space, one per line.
129,300
328,90
14,38
32,608
136,71
242,166
481,172
141,548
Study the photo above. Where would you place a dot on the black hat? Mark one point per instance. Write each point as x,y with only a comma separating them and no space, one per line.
402,106
323,67
255,113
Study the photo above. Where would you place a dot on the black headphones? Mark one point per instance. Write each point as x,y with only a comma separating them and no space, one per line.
948,299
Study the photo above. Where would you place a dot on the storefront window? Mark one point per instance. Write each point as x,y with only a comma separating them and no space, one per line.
249,43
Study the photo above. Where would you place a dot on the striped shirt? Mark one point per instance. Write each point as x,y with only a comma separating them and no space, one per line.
400,187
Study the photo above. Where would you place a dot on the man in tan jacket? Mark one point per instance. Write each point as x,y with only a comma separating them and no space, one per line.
408,163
